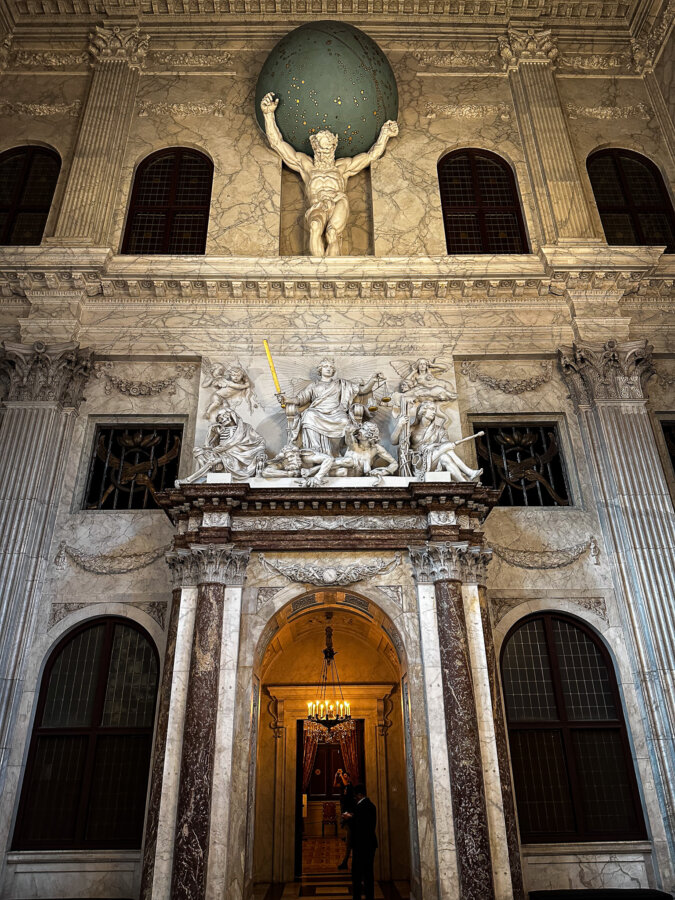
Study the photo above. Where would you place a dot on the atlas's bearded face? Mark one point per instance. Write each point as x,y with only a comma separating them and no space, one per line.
324,144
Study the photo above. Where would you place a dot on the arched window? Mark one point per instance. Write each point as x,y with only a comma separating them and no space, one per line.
572,768
632,199
169,210
28,177
481,210
87,771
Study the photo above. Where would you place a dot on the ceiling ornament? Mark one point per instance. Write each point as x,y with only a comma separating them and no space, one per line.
509,385
330,575
548,559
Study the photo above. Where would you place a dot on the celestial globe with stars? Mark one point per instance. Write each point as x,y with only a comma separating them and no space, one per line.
329,75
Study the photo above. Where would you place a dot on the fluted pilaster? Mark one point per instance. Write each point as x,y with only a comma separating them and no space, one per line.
608,383
43,388
117,53
530,56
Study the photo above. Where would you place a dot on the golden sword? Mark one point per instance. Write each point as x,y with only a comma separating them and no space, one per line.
273,370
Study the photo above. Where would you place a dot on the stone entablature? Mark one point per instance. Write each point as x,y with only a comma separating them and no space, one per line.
389,517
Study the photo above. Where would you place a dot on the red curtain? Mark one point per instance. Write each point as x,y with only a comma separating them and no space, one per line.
349,744
309,746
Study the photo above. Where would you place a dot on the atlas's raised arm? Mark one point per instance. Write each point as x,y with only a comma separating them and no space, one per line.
362,160
291,157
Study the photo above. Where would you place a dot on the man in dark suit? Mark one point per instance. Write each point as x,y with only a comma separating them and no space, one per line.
362,821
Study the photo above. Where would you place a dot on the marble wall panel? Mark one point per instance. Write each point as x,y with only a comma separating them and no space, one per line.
212,113
665,73
587,867
44,111
98,873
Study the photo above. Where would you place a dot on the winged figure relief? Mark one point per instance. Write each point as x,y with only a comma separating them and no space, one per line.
231,386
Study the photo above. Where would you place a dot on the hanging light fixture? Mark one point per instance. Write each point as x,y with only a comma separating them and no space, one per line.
329,710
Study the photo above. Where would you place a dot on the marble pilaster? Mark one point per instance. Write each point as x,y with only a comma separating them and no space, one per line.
207,714
502,747
608,388
442,565
530,56
159,752
43,390
117,53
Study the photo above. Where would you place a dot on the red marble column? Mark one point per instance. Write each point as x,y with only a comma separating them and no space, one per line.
464,756
512,835
157,775
191,848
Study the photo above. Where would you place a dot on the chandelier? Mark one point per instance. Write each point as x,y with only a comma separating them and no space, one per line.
329,712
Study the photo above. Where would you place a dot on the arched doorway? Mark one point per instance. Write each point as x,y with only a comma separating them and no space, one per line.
289,840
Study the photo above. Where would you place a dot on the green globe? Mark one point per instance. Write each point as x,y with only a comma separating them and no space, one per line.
329,75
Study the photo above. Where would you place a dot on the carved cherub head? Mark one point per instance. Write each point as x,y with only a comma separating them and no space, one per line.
324,144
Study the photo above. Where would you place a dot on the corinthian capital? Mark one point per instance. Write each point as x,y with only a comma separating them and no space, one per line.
520,44
39,372
609,371
117,42
209,564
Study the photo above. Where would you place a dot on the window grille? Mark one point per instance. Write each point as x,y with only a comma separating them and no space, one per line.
572,767
524,462
632,199
28,177
169,209
87,771
481,209
130,464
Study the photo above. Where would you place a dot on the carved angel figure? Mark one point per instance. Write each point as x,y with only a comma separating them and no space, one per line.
328,402
230,386
421,381
232,446
430,447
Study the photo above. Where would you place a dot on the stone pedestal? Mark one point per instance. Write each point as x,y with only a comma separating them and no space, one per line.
44,387
117,52
608,387
530,56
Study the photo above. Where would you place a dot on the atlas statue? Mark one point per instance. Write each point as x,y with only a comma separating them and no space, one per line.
324,177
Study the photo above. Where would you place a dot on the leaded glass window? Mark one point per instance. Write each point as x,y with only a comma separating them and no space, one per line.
572,767
130,464
632,199
87,771
169,209
481,209
28,177
524,462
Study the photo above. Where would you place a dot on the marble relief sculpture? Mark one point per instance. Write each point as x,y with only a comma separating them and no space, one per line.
324,177
231,385
233,446
429,447
330,408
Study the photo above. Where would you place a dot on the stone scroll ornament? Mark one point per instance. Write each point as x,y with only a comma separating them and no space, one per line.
107,563
335,92
337,574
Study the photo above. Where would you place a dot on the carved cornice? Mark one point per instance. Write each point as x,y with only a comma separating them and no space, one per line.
527,45
208,564
609,371
37,372
450,562
117,42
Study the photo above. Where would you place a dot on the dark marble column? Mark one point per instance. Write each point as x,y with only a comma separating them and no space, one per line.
464,756
191,847
157,776
512,835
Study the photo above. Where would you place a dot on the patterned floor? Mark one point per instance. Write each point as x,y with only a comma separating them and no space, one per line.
337,887
322,855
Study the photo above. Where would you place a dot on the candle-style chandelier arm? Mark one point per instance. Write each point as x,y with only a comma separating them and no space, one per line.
326,711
